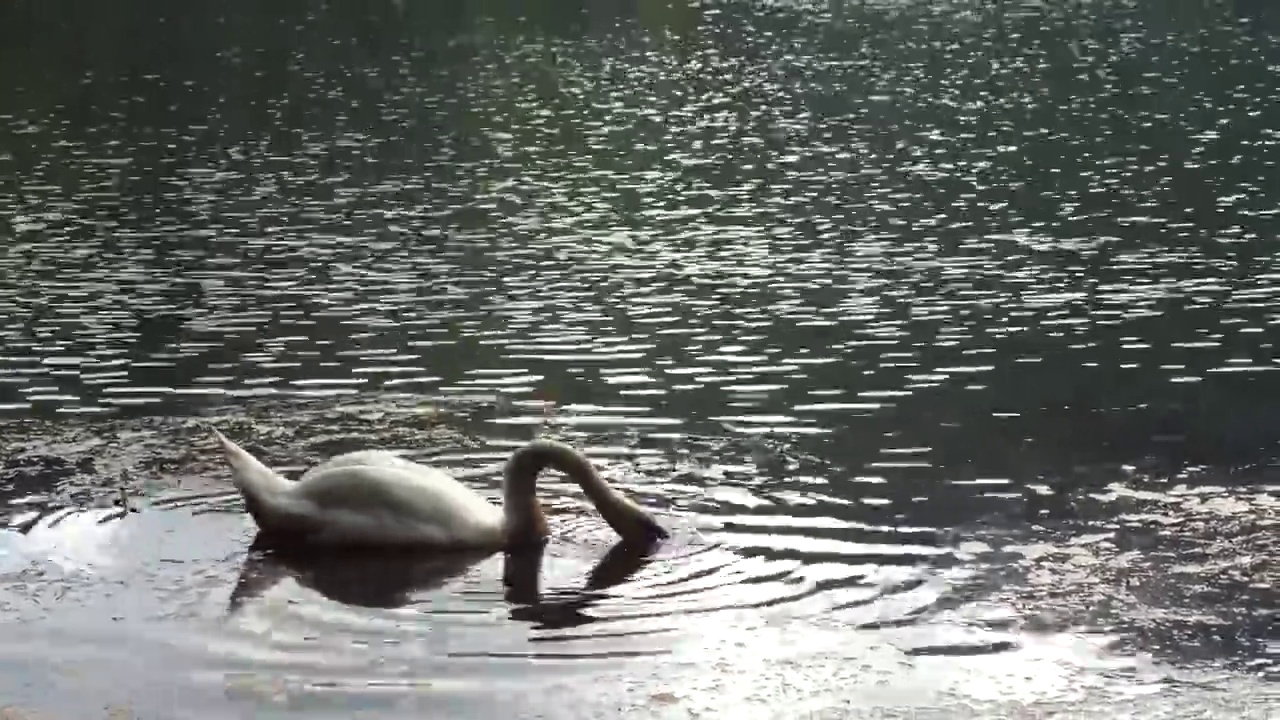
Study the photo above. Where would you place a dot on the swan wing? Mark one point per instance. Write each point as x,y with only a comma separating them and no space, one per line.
370,458
392,501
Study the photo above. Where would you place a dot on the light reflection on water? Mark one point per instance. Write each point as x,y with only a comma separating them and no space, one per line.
942,334
302,632
744,609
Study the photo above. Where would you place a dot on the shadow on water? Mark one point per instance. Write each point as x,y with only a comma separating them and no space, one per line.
373,580
394,578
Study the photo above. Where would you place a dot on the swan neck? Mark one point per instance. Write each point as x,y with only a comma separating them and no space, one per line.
524,517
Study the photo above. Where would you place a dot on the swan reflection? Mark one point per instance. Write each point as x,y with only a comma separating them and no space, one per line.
395,578
521,575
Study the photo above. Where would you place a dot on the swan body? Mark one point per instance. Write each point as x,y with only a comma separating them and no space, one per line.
374,497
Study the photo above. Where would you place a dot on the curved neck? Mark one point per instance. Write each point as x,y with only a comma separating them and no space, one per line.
524,519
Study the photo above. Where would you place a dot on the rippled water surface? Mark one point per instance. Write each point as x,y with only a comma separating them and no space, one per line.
941,335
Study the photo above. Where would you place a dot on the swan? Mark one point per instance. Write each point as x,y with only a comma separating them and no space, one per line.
377,498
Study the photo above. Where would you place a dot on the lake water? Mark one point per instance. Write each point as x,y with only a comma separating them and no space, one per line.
941,334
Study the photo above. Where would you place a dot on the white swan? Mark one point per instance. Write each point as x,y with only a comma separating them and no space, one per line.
374,497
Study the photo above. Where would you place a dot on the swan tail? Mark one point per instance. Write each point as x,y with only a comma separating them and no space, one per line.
259,484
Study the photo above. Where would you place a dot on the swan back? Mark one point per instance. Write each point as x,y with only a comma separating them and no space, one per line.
369,497
380,498
370,458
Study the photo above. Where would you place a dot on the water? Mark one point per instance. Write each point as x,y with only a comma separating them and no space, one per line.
940,334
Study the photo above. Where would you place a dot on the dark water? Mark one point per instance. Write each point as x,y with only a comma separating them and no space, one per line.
942,334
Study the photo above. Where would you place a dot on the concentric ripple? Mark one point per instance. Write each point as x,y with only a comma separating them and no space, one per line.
172,580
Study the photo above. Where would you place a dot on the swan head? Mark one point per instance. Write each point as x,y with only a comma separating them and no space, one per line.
633,524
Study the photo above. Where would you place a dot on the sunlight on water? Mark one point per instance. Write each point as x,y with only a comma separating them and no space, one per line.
940,334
